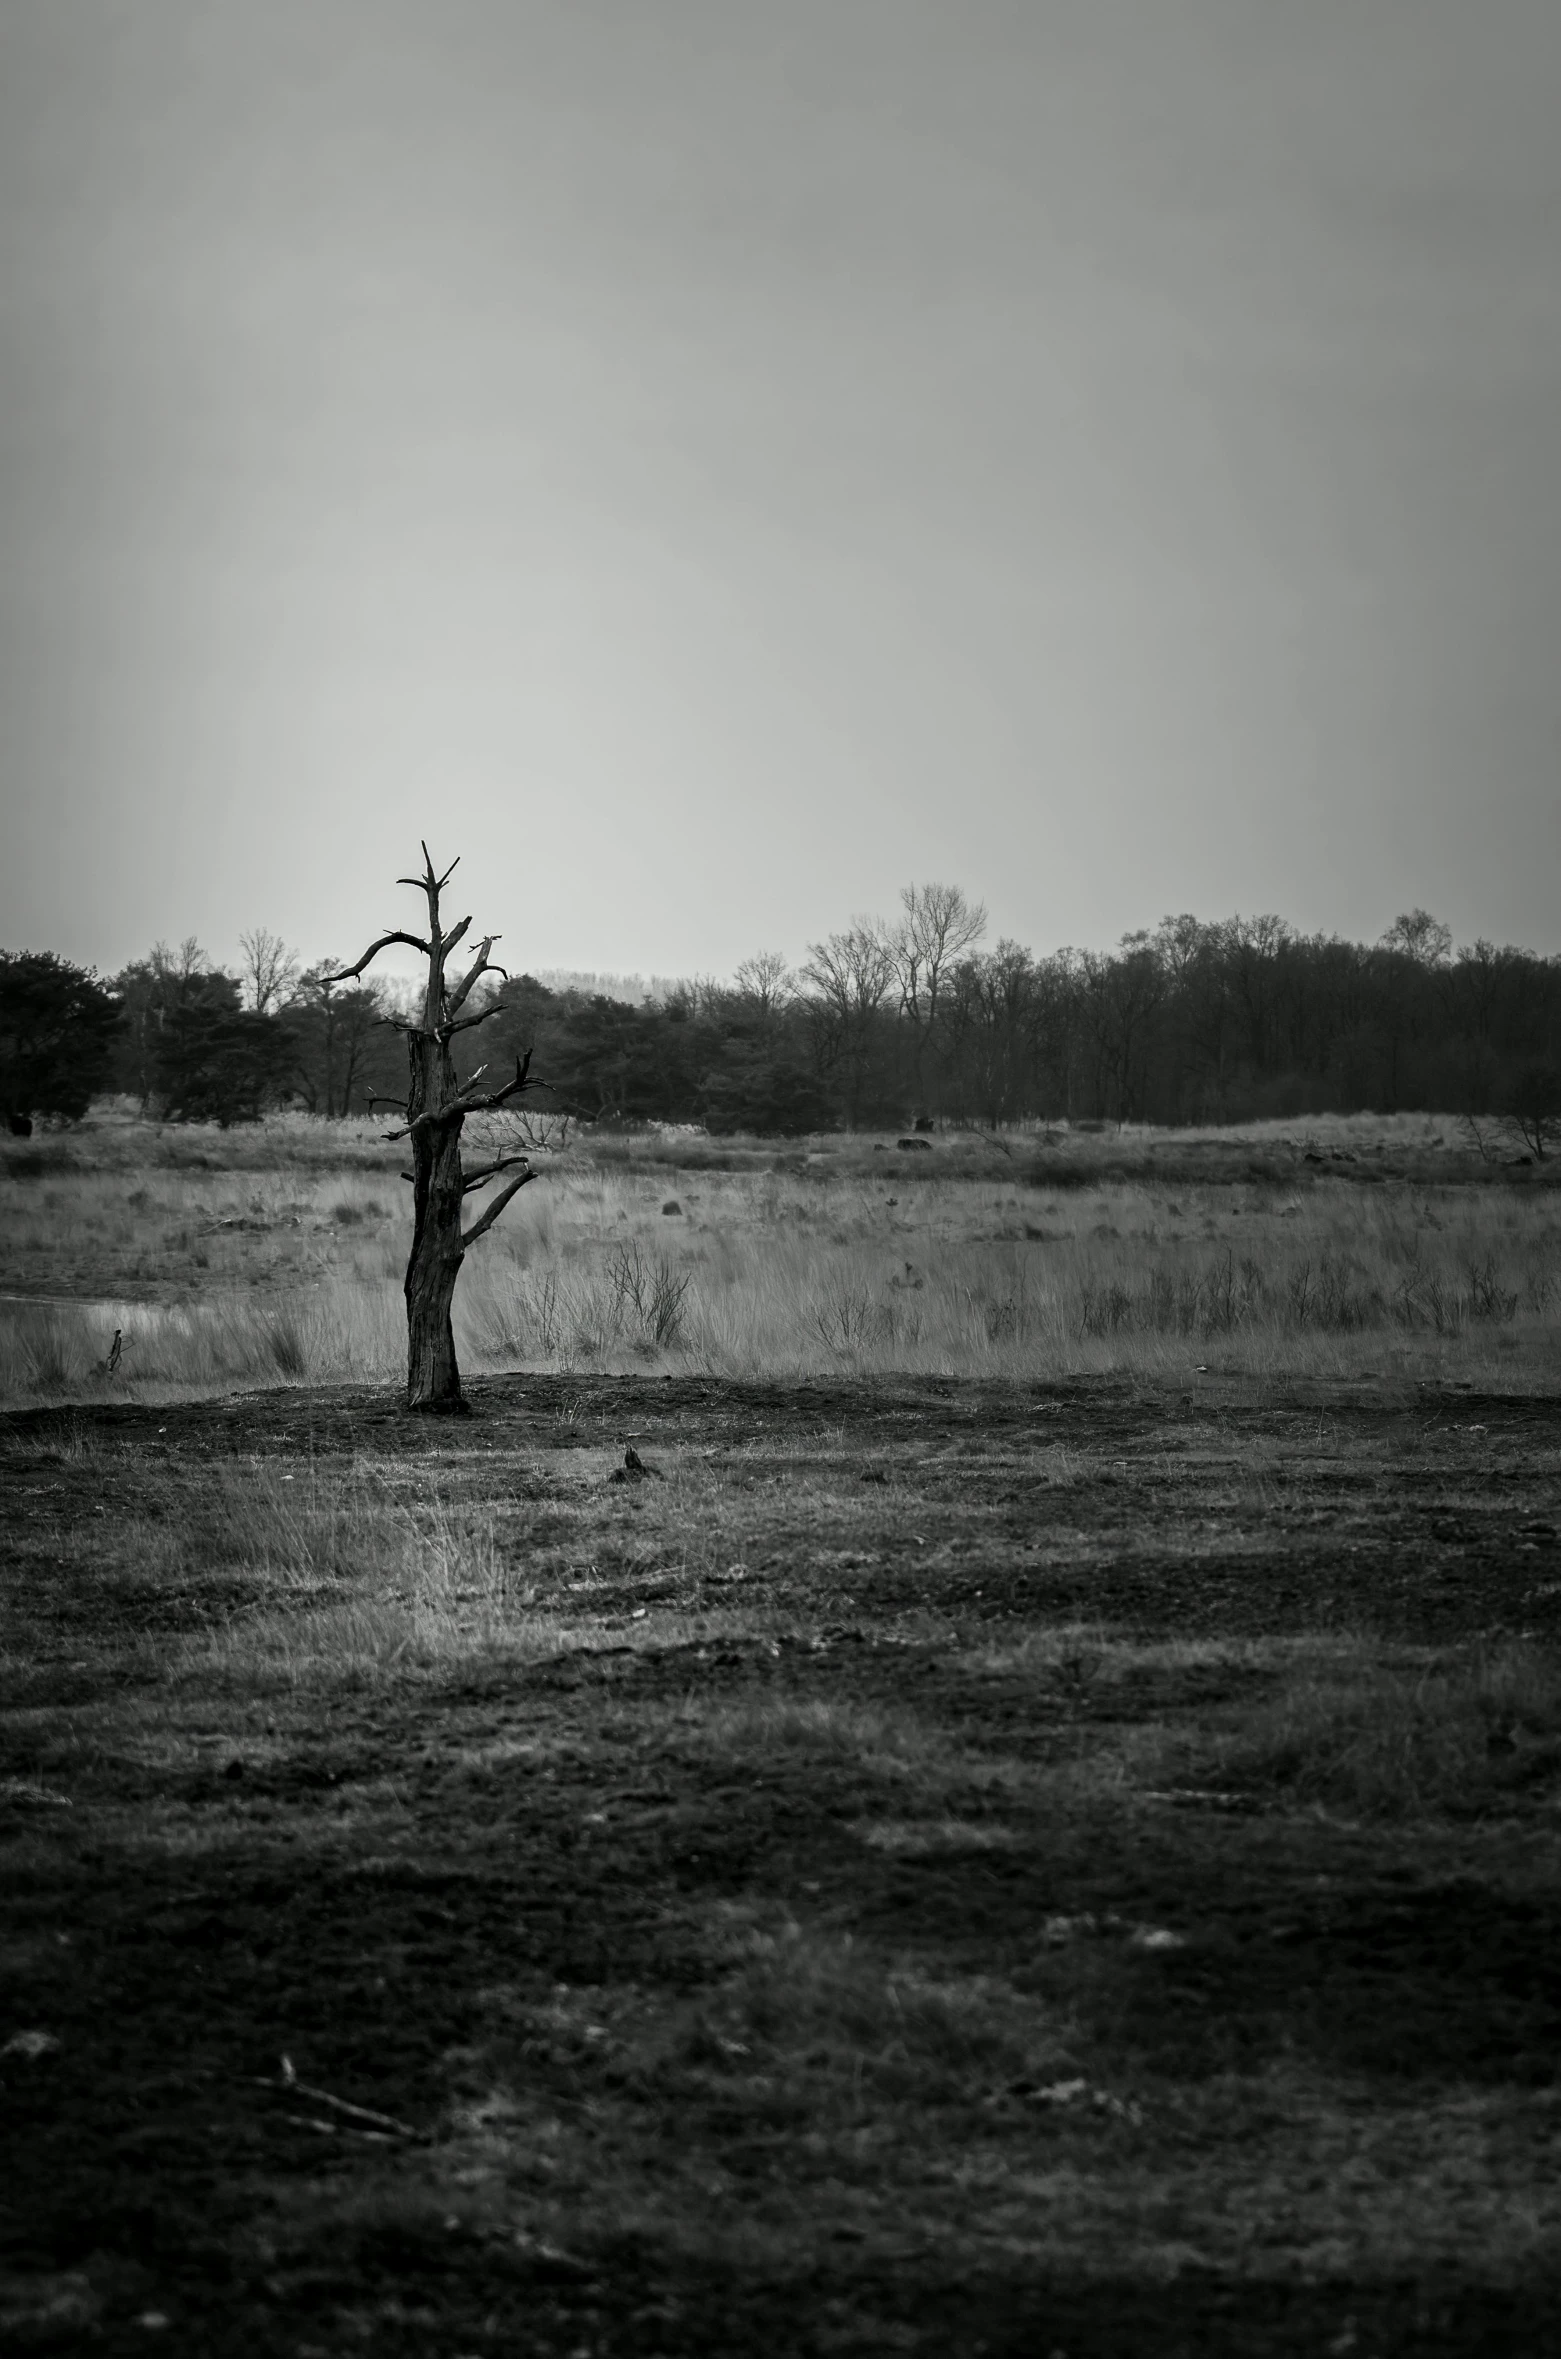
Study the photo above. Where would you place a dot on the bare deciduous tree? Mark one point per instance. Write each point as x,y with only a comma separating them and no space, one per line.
991,1017
178,966
270,969
766,981
1420,936
850,974
334,1029
1117,1001
1529,1119
436,1106
938,926
1533,1112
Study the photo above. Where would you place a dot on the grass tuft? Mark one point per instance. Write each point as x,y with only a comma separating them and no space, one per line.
1394,1743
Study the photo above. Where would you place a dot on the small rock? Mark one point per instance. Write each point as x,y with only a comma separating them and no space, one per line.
672,1205
31,2044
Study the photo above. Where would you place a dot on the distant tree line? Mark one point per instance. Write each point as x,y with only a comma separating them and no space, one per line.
883,1024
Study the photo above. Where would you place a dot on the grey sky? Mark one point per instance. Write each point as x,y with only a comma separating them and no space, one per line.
709,461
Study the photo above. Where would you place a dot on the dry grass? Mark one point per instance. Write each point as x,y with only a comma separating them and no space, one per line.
808,1262
351,1578
841,2024
766,1729
1403,1742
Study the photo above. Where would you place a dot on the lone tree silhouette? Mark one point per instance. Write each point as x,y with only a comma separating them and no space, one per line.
436,1106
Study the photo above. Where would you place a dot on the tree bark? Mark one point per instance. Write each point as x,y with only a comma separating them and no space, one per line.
434,1264
433,1378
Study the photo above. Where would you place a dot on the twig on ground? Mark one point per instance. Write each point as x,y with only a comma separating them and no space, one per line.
335,2129
289,2081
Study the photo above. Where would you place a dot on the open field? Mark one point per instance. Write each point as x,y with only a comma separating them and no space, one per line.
1382,1249
929,1868
1030,1824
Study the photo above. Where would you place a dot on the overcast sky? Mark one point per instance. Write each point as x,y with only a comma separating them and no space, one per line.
711,461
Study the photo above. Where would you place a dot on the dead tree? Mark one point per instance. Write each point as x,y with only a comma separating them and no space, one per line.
436,1106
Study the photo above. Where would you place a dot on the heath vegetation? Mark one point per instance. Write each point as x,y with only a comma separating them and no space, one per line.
962,1755
276,1254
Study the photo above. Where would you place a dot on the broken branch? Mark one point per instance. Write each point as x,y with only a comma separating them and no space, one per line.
468,1023
456,999
484,1104
428,877
480,1228
412,941
487,1171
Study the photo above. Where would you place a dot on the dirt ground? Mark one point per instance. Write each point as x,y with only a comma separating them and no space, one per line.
858,1895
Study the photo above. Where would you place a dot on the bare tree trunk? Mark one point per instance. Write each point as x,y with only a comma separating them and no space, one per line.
436,1107
438,1194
